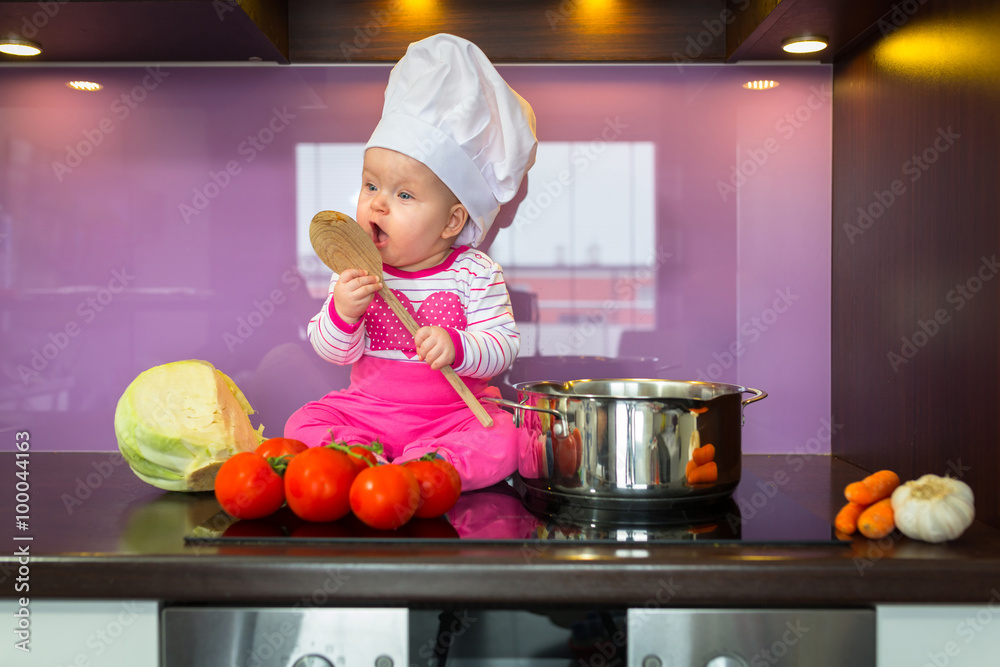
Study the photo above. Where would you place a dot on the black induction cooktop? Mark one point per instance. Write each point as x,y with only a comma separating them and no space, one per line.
758,513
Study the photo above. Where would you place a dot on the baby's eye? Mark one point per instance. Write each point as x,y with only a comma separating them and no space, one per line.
370,187
405,195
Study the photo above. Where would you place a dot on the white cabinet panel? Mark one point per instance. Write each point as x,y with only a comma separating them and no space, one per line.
83,633
939,635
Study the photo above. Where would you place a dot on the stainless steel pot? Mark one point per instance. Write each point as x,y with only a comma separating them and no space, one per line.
616,447
563,368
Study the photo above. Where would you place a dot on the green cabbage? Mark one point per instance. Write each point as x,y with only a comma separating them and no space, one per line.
177,423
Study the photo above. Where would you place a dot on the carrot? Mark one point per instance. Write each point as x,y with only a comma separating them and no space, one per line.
872,488
704,474
847,518
703,454
706,528
691,465
877,520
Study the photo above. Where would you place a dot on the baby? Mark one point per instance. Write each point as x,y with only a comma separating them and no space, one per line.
453,144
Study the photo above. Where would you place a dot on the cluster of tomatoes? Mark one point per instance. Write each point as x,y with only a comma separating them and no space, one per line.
327,483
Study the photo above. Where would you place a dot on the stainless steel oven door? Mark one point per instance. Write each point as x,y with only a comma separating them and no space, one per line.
751,637
284,637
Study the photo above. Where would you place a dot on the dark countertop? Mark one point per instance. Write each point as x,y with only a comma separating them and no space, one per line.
99,532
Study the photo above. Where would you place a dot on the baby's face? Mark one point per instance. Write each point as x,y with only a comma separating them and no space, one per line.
409,212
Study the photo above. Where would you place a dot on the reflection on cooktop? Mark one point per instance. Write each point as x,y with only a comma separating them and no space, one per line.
758,513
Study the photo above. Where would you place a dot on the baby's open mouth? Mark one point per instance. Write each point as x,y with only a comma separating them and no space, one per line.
379,236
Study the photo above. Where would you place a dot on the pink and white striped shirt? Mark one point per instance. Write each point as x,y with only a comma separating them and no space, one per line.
465,294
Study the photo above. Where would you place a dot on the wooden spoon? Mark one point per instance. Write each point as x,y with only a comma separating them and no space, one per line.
341,243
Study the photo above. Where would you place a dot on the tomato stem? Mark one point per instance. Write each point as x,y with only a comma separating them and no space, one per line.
279,463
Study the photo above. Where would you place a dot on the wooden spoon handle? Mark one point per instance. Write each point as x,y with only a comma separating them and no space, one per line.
456,382
463,390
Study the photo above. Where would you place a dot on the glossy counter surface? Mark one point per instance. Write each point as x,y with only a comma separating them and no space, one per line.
99,532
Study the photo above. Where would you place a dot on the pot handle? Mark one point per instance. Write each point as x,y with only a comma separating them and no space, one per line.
758,395
557,428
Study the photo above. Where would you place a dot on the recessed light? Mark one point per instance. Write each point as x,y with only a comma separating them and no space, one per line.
86,86
760,84
805,44
18,46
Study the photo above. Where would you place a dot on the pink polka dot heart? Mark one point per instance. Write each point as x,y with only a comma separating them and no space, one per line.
386,332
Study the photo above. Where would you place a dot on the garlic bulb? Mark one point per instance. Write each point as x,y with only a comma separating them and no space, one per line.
933,509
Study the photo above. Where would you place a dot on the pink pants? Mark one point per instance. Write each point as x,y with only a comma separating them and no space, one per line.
412,410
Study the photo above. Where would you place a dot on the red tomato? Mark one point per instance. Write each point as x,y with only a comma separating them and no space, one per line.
568,451
385,496
318,484
280,447
440,486
247,487
367,460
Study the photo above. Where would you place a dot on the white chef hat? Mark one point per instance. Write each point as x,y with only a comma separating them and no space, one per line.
447,107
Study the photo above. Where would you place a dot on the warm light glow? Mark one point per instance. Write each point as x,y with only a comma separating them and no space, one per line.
953,49
810,44
16,46
760,85
421,8
596,6
590,17
88,86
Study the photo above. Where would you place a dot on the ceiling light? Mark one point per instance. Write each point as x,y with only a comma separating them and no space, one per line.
18,46
761,84
87,86
807,44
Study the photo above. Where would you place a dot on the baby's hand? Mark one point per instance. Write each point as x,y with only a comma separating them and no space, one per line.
354,290
434,346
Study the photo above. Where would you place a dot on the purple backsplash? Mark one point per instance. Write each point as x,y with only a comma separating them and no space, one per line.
124,242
